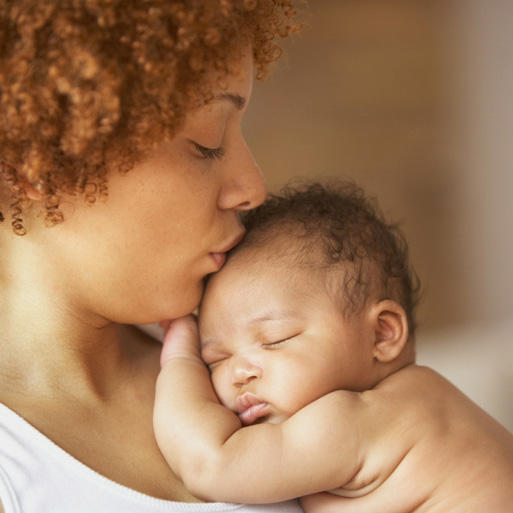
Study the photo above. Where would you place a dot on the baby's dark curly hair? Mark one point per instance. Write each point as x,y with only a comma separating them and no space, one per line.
349,229
89,82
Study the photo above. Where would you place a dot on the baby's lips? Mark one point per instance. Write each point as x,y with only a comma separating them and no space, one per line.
245,401
253,413
250,408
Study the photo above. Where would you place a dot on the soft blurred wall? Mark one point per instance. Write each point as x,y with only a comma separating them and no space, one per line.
412,99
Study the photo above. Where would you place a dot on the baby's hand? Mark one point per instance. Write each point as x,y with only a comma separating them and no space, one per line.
181,340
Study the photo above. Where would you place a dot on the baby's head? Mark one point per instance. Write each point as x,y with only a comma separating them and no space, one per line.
319,296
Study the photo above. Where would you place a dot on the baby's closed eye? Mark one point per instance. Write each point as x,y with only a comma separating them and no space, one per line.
213,358
277,342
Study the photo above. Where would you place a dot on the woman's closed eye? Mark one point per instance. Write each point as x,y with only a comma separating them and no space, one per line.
208,153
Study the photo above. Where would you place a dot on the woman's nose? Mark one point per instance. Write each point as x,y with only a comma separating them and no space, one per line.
245,371
244,187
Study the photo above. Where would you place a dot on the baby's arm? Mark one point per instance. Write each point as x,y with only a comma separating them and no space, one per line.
316,449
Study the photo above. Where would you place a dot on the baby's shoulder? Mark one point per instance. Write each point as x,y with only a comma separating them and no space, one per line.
415,382
431,404
414,394
419,397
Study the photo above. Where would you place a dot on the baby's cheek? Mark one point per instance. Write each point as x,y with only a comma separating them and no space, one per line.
302,396
225,394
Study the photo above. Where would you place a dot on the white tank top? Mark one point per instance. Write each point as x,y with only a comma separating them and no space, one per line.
37,476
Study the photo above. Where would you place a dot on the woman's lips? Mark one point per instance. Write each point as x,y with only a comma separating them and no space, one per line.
250,408
219,256
219,259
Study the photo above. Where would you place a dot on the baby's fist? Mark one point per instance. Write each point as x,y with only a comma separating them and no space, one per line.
181,340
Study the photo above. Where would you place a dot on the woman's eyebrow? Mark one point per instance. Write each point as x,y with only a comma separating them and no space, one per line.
236,99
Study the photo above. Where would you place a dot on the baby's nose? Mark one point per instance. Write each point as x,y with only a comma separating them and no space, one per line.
244,371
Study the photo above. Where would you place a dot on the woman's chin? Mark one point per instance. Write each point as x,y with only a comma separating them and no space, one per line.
157,307
185,305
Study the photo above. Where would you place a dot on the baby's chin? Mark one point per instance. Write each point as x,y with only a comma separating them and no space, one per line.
272,418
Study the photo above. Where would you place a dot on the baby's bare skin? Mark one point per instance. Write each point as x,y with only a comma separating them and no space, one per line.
446,455
414,443
298,384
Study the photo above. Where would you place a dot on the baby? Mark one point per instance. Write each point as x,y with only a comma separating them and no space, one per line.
304,383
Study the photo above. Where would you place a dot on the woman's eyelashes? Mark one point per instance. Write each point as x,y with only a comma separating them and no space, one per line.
208,153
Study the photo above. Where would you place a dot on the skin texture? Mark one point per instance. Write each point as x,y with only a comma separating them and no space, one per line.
140,257
379,434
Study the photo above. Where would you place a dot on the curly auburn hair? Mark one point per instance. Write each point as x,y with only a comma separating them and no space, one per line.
350,229
89,82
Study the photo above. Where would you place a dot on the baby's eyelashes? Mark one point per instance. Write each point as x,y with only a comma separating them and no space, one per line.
275,344
212,358
212,365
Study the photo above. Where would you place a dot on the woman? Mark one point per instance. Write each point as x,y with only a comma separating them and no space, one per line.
120,129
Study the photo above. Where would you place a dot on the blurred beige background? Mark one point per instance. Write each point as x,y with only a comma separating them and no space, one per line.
413,99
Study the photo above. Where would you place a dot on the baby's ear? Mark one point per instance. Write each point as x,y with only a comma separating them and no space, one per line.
390,330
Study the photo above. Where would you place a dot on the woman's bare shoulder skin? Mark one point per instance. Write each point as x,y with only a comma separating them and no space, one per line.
122,419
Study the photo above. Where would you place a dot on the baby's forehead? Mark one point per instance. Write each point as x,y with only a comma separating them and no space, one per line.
283,245
252,296
286,257
257,274
251,268
257,267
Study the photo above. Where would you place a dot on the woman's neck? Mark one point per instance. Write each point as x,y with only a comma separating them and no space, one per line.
48,341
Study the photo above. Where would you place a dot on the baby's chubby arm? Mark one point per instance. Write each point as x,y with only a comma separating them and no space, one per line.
316,449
